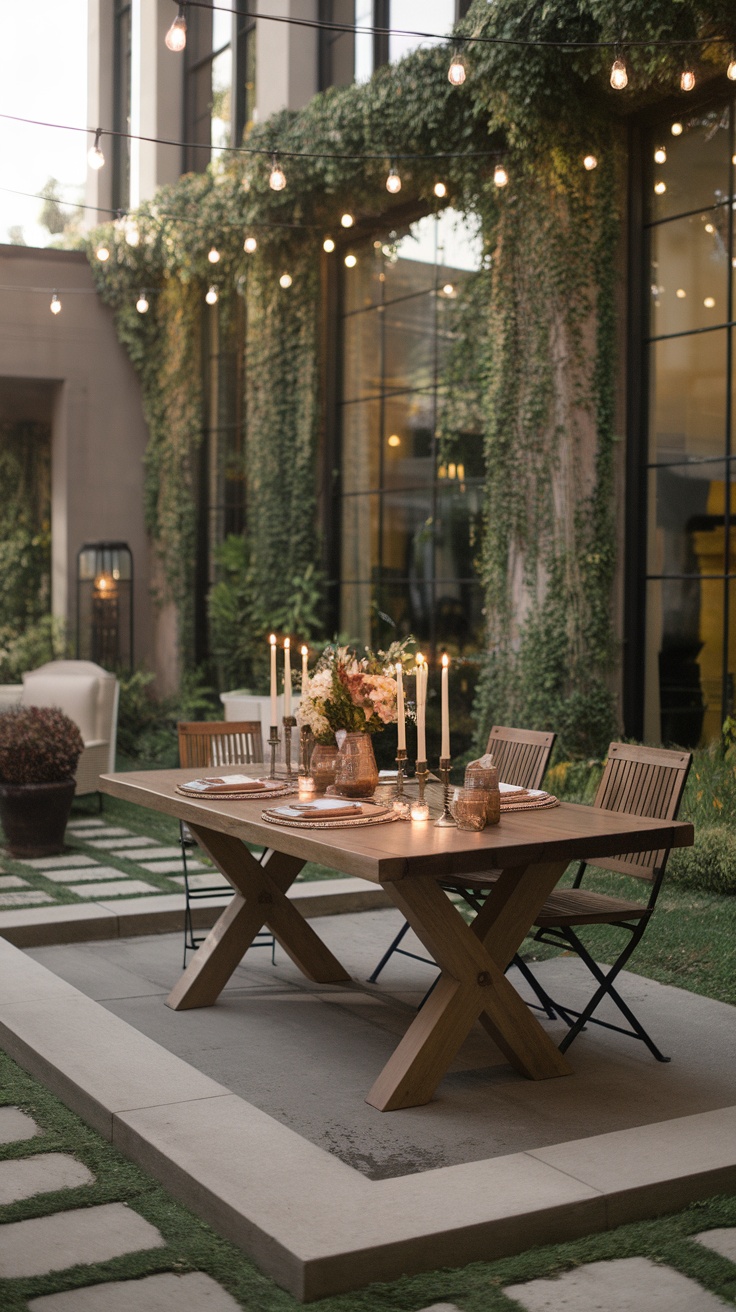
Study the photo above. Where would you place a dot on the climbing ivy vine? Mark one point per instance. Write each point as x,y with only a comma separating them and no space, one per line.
536,331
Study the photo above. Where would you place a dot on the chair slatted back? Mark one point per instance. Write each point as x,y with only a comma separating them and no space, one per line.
521,755
643,781
220,742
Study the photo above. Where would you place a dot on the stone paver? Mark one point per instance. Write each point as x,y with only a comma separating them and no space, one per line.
149,854
441,1307
629,1284
107,843
721,1241
29,899
212,880
195,1292
111,831
12,881
170,867
113,888
16,1125
86,824
59,862
40,1175
82,872
82,1235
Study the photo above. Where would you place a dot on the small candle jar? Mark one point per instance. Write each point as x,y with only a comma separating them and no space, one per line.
402,807
307,788
419,812
485,780
469,808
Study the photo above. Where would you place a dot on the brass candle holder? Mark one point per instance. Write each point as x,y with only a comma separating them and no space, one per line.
447,819
289,723
400,769
273,743
420,809
306,745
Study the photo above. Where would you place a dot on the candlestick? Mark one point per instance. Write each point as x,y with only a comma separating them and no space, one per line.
400,714
420,810
445,750
273,743
306,743
274,689
287,678
400,764
289,723
305,670
446,820
422,673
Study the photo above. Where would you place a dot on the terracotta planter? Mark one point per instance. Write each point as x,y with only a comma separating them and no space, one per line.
357,772
34,817
322,765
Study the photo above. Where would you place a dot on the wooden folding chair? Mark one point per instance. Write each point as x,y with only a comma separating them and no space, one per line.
521,756
215,744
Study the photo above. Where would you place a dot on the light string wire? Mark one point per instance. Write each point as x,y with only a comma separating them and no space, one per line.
614,43
160,215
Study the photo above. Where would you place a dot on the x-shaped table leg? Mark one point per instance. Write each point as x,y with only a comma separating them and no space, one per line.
259,898
472,987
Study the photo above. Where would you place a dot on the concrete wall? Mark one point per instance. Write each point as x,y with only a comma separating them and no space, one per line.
286,58
73,366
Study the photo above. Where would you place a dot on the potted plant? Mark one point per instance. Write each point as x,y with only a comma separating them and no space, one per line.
39,751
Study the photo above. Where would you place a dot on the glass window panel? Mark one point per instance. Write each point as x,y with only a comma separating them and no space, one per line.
222,78
689,273
408,447
363,41
409,360
361,355
459,623
686,519
362,286
696,171
222,25
431,16
686,631
359,537
361,446
688,397
407,538
459,526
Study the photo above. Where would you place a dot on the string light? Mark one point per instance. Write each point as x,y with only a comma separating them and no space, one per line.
250,245
660,188
500,176
102,253
176,37
212,296
619,74
277,179
440,190
141,304
350,261
55,306
457,73
132,233
285,280
590,162
347,221
393,181
731,70
660,155
95,157
213,255
676,129
394,440
328,245
687,79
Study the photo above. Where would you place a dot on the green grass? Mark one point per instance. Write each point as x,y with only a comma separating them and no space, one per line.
192,1245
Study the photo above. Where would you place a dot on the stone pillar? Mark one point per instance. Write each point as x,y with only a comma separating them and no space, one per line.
157,100
286,58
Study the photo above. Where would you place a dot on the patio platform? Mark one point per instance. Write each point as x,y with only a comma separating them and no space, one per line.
252,1112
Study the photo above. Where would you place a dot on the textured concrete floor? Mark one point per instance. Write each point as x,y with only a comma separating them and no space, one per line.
308,1053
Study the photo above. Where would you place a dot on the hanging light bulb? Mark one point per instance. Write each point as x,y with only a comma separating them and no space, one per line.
660,188
619,74
285,280
213,255
132,233
660,155
500,176
350,261
328,245
347,221
55,306
676,129
687,79
212,296
393,181
590,162
102,252
250,245
141,304
440,190
457,72
731,70
277,179
176,37
95,157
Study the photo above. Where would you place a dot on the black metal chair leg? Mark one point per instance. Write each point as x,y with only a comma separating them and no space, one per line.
389,952
606,989
545,1000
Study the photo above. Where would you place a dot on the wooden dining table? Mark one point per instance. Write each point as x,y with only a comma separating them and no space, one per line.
531,849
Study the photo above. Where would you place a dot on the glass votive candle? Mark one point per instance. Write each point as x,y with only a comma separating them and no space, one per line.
419,812
402,807
307,788
469,809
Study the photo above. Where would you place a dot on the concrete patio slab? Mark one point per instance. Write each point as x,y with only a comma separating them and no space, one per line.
29,899
629,1284
83,1235
123,843
195,1292
12,881
149,853
170,867
16,1125
720,1241
119,887
43,1174
61,862
93,822
82,873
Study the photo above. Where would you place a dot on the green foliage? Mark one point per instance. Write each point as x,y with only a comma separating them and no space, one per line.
25,534
147,724
41,641
38,745
709,866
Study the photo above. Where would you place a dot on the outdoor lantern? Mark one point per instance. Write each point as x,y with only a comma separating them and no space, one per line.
105,604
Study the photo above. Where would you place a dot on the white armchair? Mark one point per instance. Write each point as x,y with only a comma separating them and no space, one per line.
89,696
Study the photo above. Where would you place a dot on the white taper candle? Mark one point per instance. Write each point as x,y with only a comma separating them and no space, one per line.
305,670
445,752
287,676
421,708
400,714
274,689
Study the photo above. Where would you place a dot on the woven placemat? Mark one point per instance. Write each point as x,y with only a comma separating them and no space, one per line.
346,823
251,795
530,804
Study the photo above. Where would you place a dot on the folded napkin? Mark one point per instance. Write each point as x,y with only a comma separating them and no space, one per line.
226,783
324,808
510,793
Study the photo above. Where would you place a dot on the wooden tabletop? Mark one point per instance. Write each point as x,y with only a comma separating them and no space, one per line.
387,853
